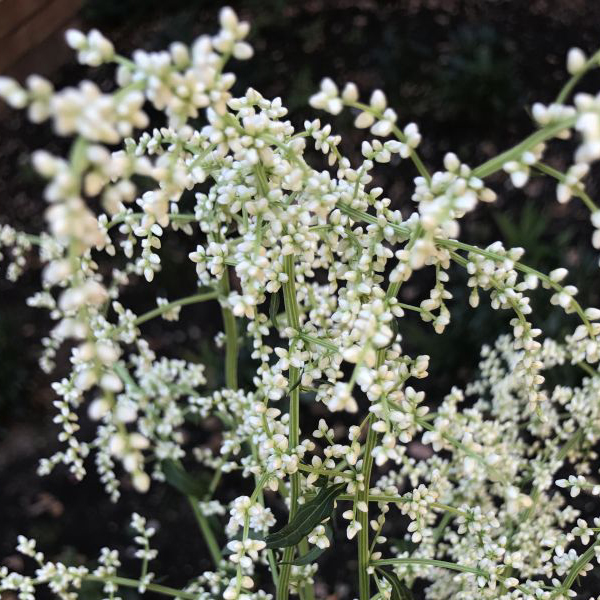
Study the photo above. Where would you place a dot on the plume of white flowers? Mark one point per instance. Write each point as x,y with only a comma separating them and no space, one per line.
307,260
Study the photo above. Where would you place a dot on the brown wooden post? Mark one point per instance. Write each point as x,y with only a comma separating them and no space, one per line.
32,35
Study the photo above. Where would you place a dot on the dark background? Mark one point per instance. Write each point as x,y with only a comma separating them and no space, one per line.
465,71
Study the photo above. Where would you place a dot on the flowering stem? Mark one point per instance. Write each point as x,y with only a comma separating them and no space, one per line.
318,341
363,496
231,338
583,560
539,136
358,215
156,312
421,168
460,446
559,176
260,484
151,587
519,266
291,311
326,472
364,586
442,564
181,217
574,80
589,370
207,532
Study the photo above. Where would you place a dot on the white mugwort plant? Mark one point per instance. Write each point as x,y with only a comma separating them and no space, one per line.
307,262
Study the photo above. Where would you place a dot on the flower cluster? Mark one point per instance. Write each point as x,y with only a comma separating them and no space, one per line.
306,259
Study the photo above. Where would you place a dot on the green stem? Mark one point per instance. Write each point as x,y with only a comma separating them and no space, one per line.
318,341
309,592
326,472
589,370
231,337
152,587
416,159
292,313
442,564
574,80
583,560
495,164
560,176
181,217
460,446
156,312
125,62
439,530
519,266
364,578
207,532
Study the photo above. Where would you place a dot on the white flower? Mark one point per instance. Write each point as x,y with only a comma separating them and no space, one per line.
328,98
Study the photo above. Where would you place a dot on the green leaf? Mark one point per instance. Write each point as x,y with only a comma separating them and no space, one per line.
274,309
187,484
399,590
298,381
309,515
311,556
394,326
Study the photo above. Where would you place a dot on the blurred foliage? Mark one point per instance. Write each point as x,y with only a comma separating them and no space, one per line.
12,374
477,80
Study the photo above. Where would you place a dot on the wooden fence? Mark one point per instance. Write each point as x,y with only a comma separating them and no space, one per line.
32,35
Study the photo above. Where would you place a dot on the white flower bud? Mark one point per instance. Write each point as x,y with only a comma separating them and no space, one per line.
111,383
141,481
364,120
593,314
558,274
350,93
242,51
75,39
228,19
98,408
451,162
576,61
13,93
378,100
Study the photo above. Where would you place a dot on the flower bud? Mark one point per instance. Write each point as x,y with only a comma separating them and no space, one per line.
576,61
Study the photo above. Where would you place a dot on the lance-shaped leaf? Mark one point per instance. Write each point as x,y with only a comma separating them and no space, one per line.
311,556
309,515
274,309
399,590
297,383
187,484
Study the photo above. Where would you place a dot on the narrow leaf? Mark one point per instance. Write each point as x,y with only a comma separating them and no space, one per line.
297,383
395,330
309,515
274,309
187,484
399,590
